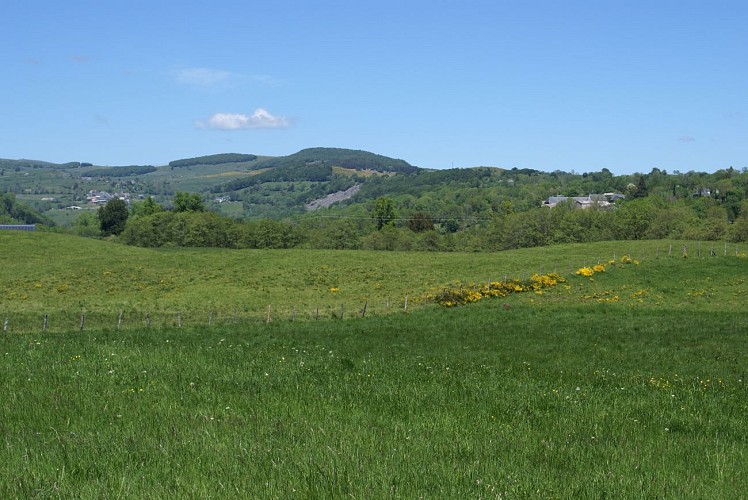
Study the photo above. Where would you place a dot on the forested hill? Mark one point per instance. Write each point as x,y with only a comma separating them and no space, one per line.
339,157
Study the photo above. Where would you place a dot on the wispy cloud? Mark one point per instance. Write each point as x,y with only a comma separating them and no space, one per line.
202,77
735,115
101,119
80,59
686,138
261,118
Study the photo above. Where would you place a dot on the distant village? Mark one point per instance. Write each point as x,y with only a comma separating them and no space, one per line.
98,198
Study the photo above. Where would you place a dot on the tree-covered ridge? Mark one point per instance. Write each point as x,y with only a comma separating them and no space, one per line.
24,163
120,171
318,172
339,157
213,160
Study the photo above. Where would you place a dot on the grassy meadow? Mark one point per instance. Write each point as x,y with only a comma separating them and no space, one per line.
628,383
64,277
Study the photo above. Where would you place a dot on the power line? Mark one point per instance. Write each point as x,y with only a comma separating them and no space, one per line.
400,218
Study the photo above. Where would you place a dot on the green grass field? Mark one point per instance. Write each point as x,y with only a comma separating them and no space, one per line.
64,277
629,383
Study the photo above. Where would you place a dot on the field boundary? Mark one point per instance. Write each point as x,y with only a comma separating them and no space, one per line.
227,313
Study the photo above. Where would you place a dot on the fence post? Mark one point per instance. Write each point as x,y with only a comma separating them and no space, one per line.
119,320
406,304
83,320
685,253
270,314
316,314
147,320
5,326
293,313
363,311
342,311
179,318
44,326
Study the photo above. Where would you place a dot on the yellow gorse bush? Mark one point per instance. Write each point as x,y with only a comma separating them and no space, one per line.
585,271
465,294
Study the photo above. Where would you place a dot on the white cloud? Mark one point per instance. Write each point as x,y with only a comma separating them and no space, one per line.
202,77
261,118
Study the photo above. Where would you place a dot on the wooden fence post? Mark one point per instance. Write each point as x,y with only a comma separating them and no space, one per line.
44,326
406,304
179,318
316,314
342,311
685,252
293,313
119,319
83,320
5,326
363,311
270,314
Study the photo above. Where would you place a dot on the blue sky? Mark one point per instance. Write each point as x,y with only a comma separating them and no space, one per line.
568,85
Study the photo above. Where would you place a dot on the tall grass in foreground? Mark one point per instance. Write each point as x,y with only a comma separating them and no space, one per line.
545,398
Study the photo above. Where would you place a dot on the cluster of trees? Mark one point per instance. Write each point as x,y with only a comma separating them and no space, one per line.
14,212
318,172
384,226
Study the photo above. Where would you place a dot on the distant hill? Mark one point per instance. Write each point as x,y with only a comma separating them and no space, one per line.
213,160
23,163
339,157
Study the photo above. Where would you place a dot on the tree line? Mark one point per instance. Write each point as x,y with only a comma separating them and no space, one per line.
386,225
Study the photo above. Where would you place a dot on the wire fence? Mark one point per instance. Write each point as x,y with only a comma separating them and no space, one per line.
115,319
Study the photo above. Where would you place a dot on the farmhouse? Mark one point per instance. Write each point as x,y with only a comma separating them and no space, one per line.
597,200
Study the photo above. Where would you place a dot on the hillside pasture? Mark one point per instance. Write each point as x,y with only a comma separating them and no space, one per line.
65,277
547,397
